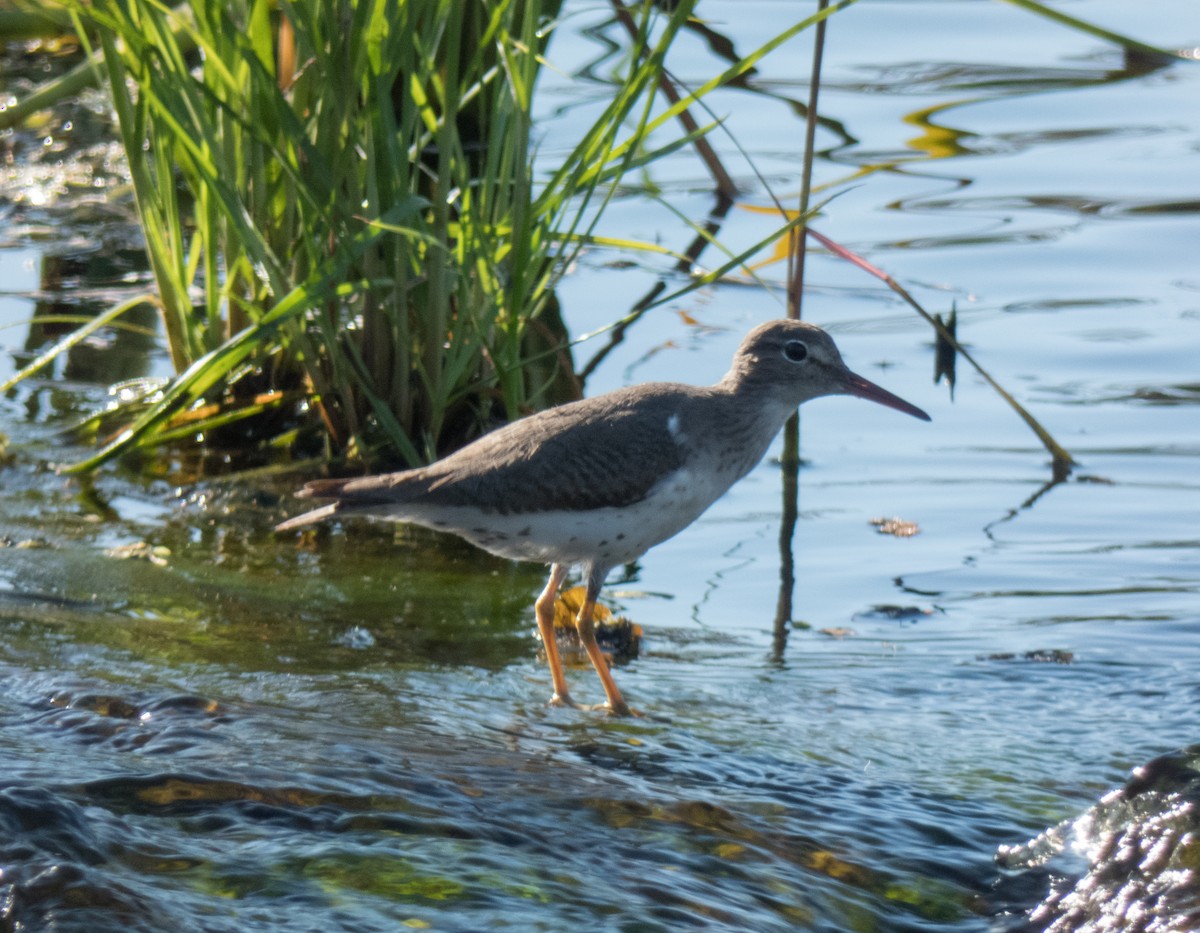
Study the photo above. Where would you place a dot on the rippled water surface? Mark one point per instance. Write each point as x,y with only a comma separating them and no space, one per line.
206,727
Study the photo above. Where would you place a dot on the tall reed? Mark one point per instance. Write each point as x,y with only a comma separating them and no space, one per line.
338,202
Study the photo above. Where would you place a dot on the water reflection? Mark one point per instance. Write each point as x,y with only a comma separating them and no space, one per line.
74,287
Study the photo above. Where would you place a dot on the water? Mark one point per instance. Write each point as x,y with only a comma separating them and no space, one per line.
240,734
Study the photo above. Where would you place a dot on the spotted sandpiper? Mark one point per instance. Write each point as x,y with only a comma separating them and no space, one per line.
598,482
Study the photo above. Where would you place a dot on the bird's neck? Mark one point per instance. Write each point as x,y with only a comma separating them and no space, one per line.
763,401
753,413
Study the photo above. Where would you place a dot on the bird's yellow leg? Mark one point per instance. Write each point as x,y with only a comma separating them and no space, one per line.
587,636
544,608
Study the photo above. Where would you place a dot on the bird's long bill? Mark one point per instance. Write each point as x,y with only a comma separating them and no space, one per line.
864,388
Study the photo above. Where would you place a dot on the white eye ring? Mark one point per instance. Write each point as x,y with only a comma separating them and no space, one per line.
795,350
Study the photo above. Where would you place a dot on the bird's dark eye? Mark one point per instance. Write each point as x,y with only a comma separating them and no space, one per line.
795,351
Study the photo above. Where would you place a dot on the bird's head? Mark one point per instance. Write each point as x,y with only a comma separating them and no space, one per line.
794,361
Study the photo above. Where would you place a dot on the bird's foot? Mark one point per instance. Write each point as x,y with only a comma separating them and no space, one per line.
619,709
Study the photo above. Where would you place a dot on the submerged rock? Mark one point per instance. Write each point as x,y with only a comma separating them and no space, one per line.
1142,845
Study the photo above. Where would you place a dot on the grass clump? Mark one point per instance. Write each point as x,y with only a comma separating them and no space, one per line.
341,215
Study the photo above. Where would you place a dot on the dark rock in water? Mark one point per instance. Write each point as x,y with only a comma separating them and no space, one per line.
1039,656
1142,843
897,613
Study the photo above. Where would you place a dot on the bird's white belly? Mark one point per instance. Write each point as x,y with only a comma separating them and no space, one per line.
605,536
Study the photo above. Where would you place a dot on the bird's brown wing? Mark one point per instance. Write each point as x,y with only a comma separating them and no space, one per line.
602,452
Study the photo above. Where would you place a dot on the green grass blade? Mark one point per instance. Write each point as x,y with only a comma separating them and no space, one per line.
1107,35
47,356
